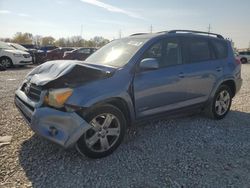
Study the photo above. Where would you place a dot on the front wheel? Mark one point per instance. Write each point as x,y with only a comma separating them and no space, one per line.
109,127
221,103
6,62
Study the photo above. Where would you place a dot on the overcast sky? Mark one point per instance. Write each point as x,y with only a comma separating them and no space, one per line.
63,18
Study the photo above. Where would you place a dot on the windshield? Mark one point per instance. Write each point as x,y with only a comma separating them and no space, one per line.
4,45
18,46
117,53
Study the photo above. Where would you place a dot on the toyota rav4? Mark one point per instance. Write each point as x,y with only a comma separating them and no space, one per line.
89,104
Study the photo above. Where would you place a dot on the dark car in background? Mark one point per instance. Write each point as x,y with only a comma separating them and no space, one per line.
57,54
30,46
47,48
79,54
38,54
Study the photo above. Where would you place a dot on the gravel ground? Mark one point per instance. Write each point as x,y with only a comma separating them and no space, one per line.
181,152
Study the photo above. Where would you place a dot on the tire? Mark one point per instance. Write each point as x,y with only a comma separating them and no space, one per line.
219,103
243,60
9,63
2,65
6,62
109,127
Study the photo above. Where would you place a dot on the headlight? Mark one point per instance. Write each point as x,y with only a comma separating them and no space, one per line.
57,97
17,55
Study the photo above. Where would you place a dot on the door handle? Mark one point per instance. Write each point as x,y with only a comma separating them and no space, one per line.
181,75
218,69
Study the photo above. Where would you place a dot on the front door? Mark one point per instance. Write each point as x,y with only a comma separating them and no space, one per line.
163,89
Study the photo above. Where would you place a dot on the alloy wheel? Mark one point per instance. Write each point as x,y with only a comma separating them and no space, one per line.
104,134
222,102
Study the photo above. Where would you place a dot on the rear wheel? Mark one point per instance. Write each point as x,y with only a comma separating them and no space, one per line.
109,126
221,103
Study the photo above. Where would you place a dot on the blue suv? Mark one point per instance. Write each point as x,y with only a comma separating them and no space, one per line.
90,104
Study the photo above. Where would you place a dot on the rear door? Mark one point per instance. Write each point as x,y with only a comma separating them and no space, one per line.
202,68
163,89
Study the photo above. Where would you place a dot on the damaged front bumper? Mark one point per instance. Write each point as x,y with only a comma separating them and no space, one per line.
63,128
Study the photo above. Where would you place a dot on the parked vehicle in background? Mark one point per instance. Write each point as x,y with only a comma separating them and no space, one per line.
30,46
90,104
38,54
20,47
79,54
244,57
10,56
57,53
47,48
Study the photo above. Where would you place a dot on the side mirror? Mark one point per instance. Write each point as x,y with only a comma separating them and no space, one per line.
149,64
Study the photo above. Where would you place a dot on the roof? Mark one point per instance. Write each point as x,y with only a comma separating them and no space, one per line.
179,32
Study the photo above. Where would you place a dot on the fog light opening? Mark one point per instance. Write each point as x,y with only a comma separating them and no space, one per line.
53,131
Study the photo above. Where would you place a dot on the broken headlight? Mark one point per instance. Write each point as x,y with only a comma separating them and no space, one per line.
57,97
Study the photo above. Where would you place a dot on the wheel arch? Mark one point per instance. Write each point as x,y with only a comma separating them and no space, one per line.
229,82
119,103
4,56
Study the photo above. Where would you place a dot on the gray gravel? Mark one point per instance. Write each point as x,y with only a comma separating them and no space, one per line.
182,152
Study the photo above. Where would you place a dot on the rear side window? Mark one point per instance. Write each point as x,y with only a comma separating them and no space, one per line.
198,50
220,48
84,51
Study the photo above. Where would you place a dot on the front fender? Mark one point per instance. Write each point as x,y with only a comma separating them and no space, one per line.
101,91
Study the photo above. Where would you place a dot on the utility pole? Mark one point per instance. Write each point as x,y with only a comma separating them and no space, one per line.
151,29
209,29
120,34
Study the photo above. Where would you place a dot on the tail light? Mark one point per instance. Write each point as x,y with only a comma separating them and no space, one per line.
237,61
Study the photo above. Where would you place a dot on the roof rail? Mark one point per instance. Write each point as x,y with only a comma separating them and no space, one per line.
198,32
138,34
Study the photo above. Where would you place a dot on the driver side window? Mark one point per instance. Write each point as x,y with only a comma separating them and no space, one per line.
154,51
167,52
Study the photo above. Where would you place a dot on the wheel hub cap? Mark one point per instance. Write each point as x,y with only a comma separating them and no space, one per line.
222,102
104,134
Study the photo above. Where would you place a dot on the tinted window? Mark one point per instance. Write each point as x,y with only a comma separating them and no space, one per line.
84,51
242,53
248,53
198,50
166,52
220,48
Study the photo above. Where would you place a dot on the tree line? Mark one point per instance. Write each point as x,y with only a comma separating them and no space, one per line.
74,41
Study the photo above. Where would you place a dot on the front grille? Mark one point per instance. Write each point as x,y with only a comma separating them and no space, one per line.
32,91
26,55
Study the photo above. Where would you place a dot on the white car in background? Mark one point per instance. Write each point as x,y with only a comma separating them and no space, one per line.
244,57
10,56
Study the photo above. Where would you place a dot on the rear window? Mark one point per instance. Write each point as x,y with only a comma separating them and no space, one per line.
198,50
220,48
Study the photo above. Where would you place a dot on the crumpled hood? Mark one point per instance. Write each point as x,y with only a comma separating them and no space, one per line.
62,73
